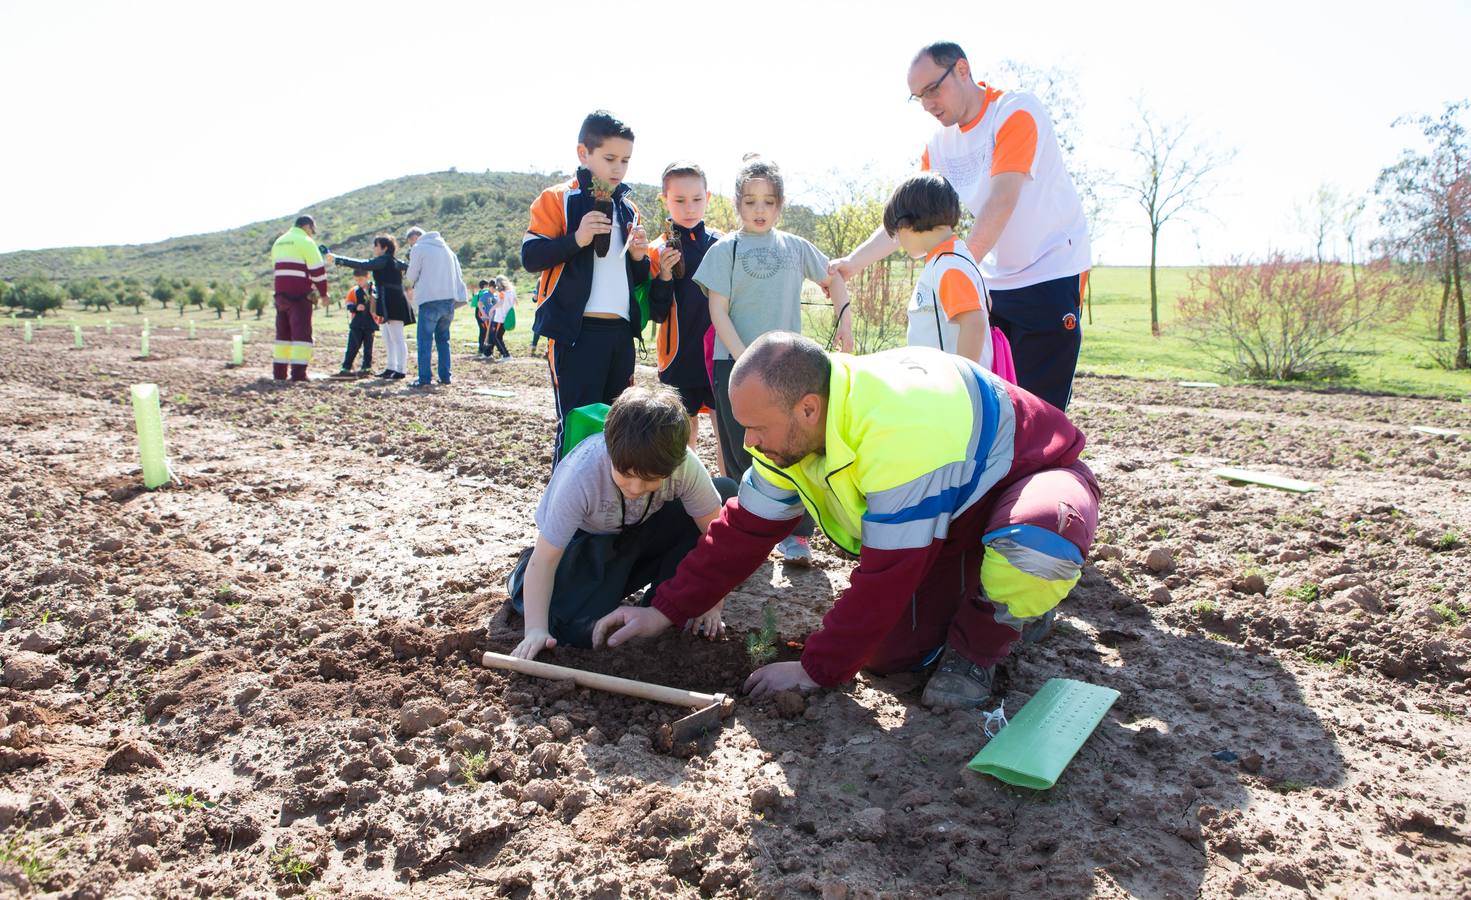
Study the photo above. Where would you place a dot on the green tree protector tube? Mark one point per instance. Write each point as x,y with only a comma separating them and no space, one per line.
245,334
107,327
150,434
77,336
237,351
143,345
27,336
191,329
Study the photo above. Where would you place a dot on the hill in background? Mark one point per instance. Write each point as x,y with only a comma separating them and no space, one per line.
483,216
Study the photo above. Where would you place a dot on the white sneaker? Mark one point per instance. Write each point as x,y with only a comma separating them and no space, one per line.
796,551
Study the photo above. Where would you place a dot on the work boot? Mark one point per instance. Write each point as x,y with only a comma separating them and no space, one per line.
958,683
1033,632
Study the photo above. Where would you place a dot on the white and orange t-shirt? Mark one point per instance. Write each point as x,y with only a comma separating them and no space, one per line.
1047,235
949,286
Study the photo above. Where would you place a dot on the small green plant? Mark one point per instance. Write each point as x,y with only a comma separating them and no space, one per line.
418,428
1449,613
32,859
143,634
1447,541
176,800
1160,533
473,767
181,399
289,864
1450,715
189,613
45,616
225,593
1362,456
1204,607
761,644
1289,786
1307,593
1314,657
1345,661
1294,520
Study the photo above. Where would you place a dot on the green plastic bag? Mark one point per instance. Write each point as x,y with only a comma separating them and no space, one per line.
641,295
581,422
510,322
1033,750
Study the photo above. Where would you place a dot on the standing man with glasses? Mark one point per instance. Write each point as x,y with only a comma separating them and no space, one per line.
998,150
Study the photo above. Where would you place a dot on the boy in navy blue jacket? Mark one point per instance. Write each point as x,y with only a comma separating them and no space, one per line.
676,302
586,241
360,330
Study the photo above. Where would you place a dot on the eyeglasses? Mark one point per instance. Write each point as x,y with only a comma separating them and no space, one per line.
930,92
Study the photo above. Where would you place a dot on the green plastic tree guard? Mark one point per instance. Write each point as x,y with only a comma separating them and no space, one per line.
245,334
237,351
143,345
1044,736
149,419
77,336
191,329
26,336
581,422
107,327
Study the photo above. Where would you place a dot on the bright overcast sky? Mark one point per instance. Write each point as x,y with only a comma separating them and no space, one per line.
132,122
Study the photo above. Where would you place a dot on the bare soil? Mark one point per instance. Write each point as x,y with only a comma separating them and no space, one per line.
264,680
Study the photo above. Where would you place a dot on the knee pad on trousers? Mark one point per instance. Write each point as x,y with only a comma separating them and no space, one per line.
1026,571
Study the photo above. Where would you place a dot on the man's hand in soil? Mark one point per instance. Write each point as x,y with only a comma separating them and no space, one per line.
782,676
709,625
533,643
593,223
630,622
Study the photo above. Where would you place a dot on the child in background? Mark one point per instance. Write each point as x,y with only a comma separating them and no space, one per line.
505,300
480,304
360,330
585,239
608,523
676,301
754,280
948,308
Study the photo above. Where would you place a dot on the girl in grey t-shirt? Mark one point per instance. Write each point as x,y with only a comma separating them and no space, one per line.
754,278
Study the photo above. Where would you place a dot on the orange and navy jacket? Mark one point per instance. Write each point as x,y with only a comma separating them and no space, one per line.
550,247
682,309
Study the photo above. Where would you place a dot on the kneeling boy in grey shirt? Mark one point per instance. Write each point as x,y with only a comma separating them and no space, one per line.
608,524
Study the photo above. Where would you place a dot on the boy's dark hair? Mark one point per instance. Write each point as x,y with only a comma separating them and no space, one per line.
682,170
647,431
924,201
384,240
754,167
942,53
599,126
483,282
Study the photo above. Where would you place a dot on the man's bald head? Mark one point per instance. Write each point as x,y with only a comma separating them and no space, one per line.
790,365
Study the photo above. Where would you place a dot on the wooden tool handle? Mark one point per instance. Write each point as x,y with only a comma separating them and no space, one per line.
597,681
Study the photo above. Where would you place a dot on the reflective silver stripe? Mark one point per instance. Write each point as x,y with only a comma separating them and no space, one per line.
1004,616
1035,562
762,498
295,273
321,277
931,487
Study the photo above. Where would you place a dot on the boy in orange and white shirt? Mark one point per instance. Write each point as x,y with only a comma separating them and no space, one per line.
948,308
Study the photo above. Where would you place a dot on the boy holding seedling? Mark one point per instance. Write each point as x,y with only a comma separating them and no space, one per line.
608,523
585,240
676,302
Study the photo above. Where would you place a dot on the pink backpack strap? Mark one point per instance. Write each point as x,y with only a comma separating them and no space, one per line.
1001,361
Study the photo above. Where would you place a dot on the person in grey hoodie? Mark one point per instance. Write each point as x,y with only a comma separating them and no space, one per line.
438,287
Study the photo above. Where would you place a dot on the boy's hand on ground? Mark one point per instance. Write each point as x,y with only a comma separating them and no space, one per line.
593,223
535,641
627,623
638,243
708,625
667,261
782,676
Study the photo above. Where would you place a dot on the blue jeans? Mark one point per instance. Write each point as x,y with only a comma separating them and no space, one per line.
434,317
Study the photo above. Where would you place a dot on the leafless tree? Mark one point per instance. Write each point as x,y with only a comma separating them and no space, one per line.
1175,178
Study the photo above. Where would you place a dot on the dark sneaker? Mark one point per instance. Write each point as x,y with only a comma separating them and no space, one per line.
397,376
958,683
1037,630
386,373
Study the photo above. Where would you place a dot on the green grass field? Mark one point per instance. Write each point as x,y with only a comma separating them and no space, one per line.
1393,360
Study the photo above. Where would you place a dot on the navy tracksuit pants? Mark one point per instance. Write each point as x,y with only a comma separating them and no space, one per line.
1044,324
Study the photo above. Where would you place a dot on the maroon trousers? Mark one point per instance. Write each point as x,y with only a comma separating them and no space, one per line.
293,348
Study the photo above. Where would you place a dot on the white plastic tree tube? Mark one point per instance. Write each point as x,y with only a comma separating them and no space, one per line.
28,334
77,336
237,351
143,345
191,329
149,419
